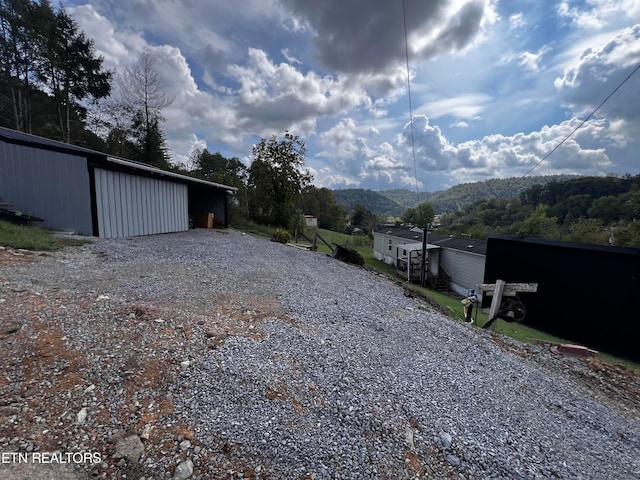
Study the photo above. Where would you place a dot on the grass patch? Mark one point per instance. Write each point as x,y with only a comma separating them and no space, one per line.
34,238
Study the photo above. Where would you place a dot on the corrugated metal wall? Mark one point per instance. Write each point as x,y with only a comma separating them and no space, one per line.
47,184
129,205
466,269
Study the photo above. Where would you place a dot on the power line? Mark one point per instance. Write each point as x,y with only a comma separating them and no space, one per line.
413,144
582,123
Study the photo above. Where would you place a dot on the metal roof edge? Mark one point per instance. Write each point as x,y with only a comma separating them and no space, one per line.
150,168
27,139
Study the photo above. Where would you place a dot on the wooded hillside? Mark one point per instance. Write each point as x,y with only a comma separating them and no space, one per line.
602,210
395,202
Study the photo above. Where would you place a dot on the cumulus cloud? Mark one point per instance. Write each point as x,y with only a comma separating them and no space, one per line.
365,36
502,156
599,72
595,15
278,96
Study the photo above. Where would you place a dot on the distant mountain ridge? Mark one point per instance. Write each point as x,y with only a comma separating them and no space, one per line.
395,202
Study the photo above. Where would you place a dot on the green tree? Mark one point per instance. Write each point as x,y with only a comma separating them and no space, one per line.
538,225
214,167
149,143
421,215
628,235
363,219
70,69
587,230
277,179
321,203
608,208
18,59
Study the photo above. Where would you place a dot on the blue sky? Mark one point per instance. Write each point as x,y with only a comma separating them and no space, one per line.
495,86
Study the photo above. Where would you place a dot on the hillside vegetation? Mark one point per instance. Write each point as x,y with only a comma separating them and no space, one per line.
395,202
375,202
601,210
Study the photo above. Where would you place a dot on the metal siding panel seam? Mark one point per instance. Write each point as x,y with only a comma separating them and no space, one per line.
168,214
146,209
120,198
113,222
112,226
158,206
117,206
164,201
104,206
135,205
154,206
127,205
173,205
97,177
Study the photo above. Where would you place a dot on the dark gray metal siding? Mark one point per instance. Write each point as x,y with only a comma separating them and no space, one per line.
47,184
129,205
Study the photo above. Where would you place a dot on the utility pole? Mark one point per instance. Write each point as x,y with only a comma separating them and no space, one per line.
423,268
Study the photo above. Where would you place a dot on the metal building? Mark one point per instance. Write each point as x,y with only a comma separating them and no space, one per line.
91,193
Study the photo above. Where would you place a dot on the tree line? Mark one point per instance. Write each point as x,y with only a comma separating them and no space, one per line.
601,210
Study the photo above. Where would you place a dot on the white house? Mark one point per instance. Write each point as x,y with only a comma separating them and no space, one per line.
457,263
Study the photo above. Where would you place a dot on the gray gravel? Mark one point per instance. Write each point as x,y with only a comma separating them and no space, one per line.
345,377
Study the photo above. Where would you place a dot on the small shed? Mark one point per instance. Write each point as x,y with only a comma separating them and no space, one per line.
91,193
311,221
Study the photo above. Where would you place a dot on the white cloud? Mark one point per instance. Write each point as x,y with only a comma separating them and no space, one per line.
466,106
597,14
517,21
290,58
599,72
531,60
505,156
280,97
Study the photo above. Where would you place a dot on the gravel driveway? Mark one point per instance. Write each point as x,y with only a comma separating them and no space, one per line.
211,354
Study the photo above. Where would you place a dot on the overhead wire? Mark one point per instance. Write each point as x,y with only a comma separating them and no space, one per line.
413,144
582,123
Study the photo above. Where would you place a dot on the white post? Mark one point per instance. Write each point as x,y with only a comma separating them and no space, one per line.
496,301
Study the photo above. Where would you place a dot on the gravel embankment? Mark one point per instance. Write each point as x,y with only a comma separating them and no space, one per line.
218,355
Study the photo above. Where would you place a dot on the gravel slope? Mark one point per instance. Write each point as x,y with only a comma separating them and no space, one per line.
226,356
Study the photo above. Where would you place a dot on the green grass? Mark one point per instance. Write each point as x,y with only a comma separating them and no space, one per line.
34,238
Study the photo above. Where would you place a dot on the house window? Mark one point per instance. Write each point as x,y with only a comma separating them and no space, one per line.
390,244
